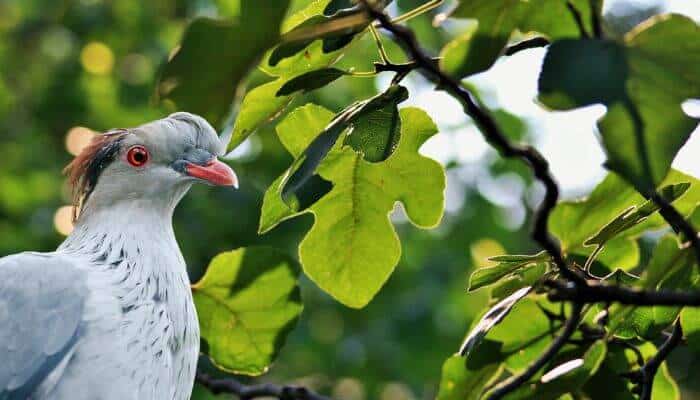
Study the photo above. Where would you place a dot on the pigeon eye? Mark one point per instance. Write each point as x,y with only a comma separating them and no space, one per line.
137,156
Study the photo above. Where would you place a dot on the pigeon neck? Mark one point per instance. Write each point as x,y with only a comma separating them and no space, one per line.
141,224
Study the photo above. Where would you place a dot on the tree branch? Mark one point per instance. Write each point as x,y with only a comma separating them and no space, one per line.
526,44
602,293
651,367
492,133
245,392
678,222
514,382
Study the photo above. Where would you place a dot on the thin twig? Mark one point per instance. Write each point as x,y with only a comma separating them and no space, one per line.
678,222
380,45
596,19
578,19
526,44
245,392
417,11
602,293
491,131
651,367
516,381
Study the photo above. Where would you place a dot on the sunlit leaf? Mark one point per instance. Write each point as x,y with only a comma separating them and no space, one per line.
247,302
507,265
354,116
205,71
353,248
642,80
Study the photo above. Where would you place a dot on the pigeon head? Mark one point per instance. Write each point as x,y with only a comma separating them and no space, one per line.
156,162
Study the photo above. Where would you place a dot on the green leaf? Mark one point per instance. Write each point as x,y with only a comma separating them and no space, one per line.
642,80
521,343
575,222
463,380
507,265
260,106
247,302
690,320
352,248
492,317
669,268
263,101
480,45
203,75
310,81
634,215
566,377
296,132
376,133
304,167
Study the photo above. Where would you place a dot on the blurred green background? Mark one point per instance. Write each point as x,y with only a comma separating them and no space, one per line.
71,68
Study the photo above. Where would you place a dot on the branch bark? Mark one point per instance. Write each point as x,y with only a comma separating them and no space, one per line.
265,390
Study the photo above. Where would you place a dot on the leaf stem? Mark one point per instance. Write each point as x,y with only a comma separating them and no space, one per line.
417,11
380,45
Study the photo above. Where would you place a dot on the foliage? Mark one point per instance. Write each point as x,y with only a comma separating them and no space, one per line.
332,169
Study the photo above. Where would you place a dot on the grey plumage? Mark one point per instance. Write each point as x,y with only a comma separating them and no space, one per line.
109,314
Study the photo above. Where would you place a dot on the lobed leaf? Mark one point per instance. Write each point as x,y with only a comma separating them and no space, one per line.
352,248
247,302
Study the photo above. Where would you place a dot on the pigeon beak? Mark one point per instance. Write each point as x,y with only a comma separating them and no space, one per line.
214,172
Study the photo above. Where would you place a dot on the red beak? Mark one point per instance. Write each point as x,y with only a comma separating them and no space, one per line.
214,172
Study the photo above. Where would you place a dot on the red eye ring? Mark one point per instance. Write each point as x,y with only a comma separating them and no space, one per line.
137,156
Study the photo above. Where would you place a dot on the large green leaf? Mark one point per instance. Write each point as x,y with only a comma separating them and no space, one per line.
247,302
478,48
215,55
352,248
690,320
642,80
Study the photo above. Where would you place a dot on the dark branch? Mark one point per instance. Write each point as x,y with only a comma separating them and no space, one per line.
267,390
651,367
601,293
596,20
578,19
516,381
526,44
678,222
492,133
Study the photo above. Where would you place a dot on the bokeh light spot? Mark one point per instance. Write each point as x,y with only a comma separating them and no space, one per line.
396,391
136,69
78,138
63,220
349,389
483,249
97,58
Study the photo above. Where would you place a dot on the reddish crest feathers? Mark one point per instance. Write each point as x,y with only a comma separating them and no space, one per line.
86,168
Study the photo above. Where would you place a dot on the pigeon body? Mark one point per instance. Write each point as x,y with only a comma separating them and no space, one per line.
109,314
